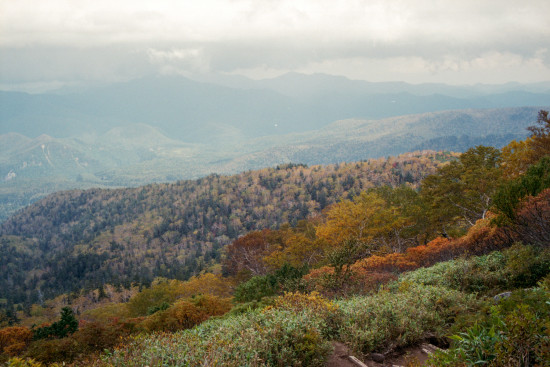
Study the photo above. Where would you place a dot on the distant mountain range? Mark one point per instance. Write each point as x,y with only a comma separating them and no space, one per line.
167,128
194,111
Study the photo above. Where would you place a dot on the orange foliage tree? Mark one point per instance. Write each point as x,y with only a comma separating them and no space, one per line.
368,273
532,224
244,256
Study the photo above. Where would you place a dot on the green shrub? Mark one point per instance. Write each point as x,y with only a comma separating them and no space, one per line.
509,195
256,288
516,267
525,338
287,278
241,308
477,345
272,337
485,274
315,304
163,306
515,333
544,283
526,265
155,296
294,329
400,317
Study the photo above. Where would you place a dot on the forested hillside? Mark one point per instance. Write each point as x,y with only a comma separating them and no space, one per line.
82,239
137,154
458,259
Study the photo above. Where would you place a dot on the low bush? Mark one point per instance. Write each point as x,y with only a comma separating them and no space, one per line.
356,281
401,316
256,288
92,337
14,340
185,314
241,308
55,350
295,328
516,332
313,303
285,279
526,265
271,337
516,267
477,274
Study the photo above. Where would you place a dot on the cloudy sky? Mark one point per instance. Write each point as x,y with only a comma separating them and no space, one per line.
52,43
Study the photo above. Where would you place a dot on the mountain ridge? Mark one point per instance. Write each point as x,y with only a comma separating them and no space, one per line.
188,109
137,154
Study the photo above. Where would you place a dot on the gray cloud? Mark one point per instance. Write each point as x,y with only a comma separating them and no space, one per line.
446,41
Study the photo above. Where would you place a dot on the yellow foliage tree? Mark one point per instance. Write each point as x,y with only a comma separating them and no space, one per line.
208,283
299,246
367,219
163,291
516,157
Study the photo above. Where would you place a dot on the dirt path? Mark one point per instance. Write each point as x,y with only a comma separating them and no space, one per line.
339,357
413,356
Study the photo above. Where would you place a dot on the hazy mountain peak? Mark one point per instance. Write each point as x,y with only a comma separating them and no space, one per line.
135,135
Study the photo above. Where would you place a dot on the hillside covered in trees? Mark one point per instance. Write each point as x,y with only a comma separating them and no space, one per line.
459,259
136,154
82,239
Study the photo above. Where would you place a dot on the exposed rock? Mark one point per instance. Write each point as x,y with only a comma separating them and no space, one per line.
500,296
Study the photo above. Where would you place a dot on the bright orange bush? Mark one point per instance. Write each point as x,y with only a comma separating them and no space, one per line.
14,340
185,314
181,315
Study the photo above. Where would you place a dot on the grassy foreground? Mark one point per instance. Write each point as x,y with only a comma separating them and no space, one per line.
455,296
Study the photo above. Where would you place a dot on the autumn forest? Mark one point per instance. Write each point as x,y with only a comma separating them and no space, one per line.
273,266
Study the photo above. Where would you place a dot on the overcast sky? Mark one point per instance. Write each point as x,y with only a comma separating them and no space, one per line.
57,42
